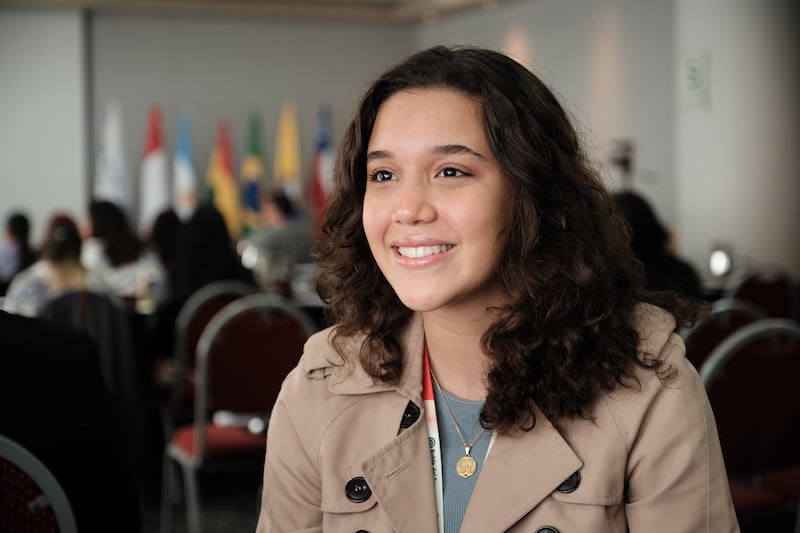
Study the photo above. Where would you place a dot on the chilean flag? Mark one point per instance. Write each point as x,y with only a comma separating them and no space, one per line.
321,179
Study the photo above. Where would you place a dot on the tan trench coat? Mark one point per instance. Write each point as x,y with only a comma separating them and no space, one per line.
649,461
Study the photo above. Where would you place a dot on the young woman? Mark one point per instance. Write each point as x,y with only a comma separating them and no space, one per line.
496,364
57,271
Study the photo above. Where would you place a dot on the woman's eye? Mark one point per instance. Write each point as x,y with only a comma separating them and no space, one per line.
381,175
452,172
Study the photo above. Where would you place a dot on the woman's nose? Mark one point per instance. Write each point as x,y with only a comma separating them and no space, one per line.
413,204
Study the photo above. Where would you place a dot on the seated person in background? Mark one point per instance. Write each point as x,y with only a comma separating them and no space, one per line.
284,242
663,270
16,253
205,253
58,270
54,402
114,252
161,245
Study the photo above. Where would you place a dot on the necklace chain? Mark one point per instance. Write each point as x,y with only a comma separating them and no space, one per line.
467,448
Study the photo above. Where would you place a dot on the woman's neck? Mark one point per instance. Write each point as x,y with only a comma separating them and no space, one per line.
67,275
455,354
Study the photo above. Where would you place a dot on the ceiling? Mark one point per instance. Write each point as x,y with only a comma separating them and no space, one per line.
386,10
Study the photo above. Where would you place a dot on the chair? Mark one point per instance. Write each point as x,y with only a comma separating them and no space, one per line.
726,316
752,384
106,319
31,499
772,291
243,355
192,318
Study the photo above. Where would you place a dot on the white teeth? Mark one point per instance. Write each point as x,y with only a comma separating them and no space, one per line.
423,251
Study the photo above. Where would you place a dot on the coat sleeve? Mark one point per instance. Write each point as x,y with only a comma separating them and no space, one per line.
291,496
675,472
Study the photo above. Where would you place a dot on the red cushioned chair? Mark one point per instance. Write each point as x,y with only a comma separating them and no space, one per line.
726,316
752,384
177,375
31,499
771,291
243,355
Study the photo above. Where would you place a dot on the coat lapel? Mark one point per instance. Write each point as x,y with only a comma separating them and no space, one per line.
400,476
519,473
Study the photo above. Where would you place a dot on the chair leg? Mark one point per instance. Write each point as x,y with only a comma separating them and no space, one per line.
192,492
168,483
797,524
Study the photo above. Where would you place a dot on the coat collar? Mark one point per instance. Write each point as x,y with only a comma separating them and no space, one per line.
520,472
348,377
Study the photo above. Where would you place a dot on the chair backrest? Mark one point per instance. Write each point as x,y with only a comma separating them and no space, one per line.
106,318
771,291
193,317
752,384
244,354
726,316
31,498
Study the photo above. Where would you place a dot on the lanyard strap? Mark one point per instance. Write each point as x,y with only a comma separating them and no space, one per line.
433,437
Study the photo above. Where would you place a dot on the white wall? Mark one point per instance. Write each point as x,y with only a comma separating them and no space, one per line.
42,115
610,62
738,157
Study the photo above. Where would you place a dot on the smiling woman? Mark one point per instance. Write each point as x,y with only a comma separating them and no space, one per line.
435,209
496,364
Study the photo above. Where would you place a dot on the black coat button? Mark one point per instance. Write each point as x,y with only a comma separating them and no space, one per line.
410,416
547,529
357,490
570,484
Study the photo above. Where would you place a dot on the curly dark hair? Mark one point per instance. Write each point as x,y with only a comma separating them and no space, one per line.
565,335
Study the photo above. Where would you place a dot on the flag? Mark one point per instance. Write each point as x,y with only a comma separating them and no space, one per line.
221,178
112,180
287,155
154,195
183,171
252,177
320,181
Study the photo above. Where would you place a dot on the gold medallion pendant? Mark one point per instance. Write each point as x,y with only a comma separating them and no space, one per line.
466,466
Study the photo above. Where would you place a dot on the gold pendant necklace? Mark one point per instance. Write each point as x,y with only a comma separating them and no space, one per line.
466,466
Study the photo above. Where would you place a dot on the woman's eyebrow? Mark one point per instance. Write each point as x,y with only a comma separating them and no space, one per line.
456,149
441,149
378,154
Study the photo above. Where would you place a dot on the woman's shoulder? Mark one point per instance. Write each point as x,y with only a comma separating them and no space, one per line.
665,383
28,290
309,394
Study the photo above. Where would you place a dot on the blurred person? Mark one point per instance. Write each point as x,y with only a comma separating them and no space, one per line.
114,252
58,270
283,243
55,403
204,253
663,269
16,253
162,248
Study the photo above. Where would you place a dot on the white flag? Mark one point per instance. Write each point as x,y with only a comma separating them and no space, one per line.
112,180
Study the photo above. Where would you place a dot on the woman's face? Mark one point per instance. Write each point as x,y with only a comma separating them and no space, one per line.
437,205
